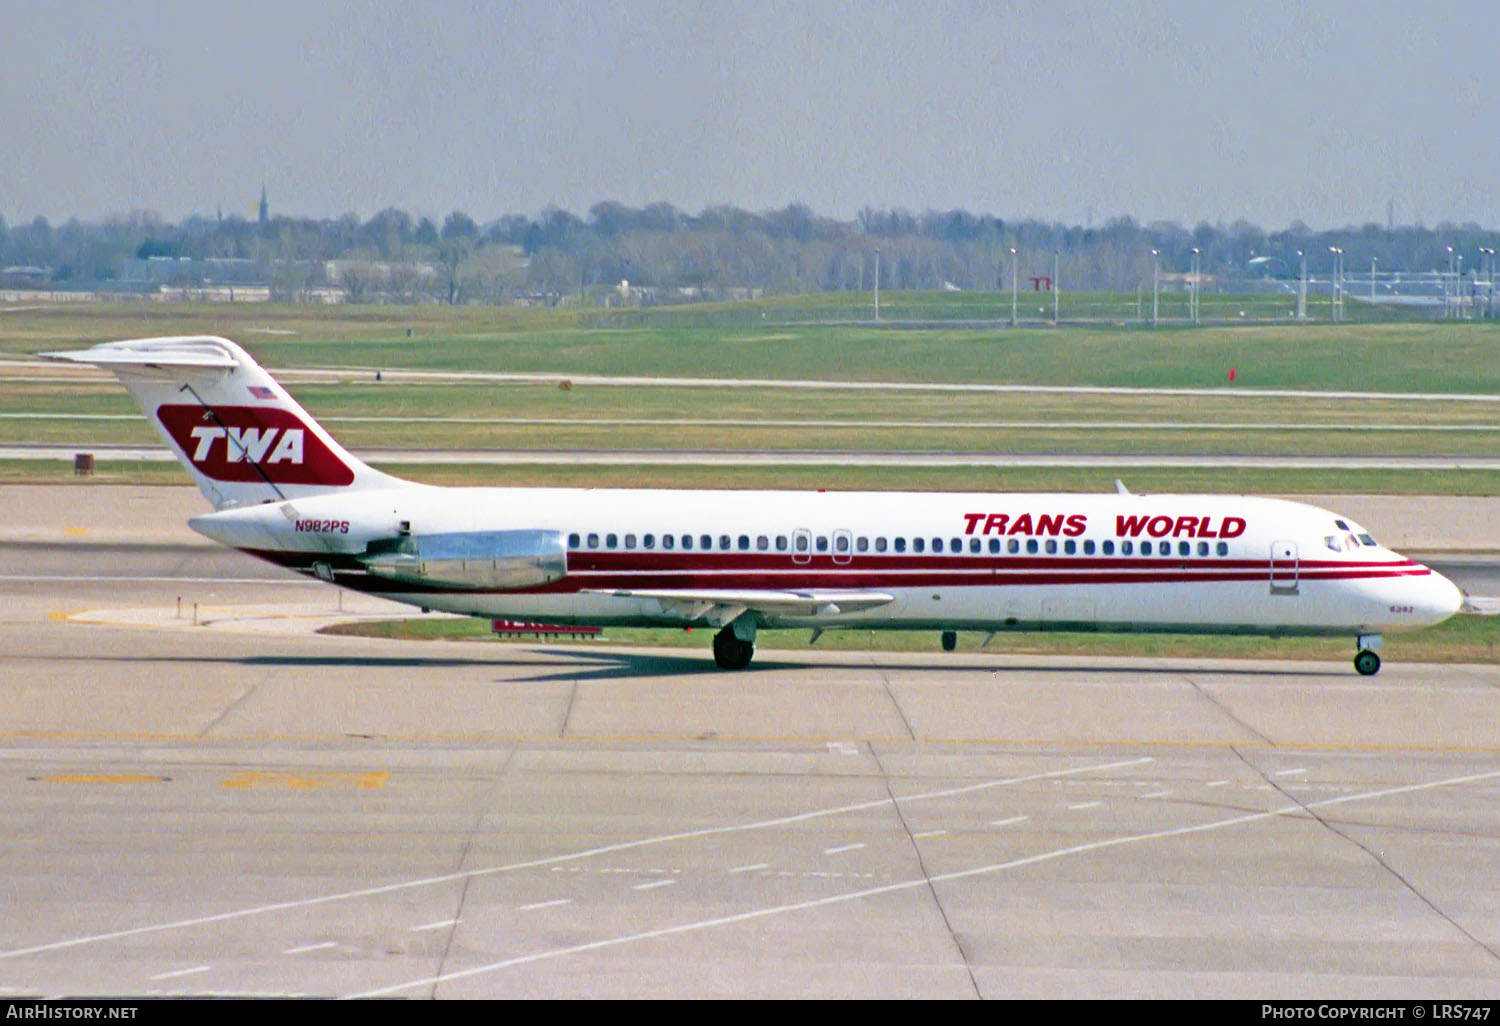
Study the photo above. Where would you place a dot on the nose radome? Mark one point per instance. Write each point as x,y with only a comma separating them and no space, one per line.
1441,598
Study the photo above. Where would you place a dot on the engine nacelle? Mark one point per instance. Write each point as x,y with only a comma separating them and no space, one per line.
468,560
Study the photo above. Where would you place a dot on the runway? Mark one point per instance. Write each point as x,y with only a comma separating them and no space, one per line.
220,801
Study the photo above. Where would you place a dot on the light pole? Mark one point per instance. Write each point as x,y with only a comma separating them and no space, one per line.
1013,268
877,286
1155,284
1335,309
1056,288
1302,288
1446,301
1193,294
1373,261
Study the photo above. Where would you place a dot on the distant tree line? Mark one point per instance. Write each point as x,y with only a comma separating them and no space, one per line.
712,254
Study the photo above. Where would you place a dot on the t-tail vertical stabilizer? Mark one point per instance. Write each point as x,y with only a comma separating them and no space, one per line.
243,439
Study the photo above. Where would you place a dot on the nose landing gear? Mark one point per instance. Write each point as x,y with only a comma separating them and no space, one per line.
1367,661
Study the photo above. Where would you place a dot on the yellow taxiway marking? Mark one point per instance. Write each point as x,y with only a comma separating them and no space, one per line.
306,780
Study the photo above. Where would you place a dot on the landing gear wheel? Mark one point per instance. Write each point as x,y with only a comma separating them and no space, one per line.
1367,663
950,640
730,653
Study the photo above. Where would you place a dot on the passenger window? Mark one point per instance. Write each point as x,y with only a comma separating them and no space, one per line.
918,544
723,543
1184,548
862,544
630,541
1108,547
937,545
1126,548
667,541
1088,546
879,544
705,542
841,544
1031,546
956,545
900,544
821,543
1222,548
781,543
1203,548
1014,546
762,543
995,546
974,545
611,541
1070,546
744,543
687,541
574,541
593,541
801,543
1051,546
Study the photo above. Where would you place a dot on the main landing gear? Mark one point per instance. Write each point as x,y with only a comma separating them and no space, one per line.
1367,661
731,652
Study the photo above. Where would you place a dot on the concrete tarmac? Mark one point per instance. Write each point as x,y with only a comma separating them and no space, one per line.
222,801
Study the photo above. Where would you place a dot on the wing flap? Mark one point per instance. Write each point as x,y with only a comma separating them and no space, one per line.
719,607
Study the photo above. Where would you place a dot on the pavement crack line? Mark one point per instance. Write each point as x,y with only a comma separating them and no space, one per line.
885,682
937,900
1225,710
567,717
466,876
1312,813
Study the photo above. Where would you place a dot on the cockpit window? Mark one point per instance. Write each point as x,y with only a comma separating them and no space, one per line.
1365,539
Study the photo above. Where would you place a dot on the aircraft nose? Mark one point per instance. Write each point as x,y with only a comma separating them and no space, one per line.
1440,599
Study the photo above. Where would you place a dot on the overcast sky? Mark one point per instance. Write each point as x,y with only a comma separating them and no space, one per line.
1272,111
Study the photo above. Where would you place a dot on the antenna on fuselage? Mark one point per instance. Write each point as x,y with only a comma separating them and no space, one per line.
1120,487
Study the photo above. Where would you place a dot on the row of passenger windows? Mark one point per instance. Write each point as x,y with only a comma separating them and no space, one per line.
844,544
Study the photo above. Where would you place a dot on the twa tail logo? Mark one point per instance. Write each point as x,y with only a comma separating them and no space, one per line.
230,443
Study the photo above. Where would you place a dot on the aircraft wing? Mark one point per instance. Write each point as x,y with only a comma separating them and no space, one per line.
721,607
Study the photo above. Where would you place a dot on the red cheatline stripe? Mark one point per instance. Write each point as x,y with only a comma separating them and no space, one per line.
1033,573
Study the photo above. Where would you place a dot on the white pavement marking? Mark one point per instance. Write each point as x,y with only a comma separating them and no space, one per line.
304,949
441,924
843,848
906,885
447,878
750,869
544,904
803,458
653,885
1010,821
1085,805
182,972
928,833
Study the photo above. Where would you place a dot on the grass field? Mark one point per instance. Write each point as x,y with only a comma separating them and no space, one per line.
789,339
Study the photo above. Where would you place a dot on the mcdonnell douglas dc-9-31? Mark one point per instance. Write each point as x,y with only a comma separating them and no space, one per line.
740,561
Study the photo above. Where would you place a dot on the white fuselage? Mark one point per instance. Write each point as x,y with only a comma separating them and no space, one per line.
942,560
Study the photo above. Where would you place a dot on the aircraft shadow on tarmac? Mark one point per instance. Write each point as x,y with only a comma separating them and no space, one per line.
602,664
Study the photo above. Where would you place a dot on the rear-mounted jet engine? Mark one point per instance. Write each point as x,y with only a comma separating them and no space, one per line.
471,560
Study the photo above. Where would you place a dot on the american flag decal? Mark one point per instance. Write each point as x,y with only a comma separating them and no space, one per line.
261,392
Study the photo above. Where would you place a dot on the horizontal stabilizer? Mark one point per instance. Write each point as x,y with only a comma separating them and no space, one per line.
180,352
